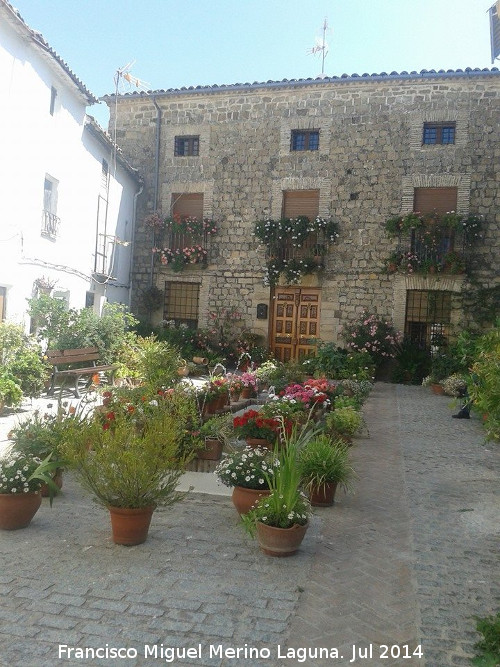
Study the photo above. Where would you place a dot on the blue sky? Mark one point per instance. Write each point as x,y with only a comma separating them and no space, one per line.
177,43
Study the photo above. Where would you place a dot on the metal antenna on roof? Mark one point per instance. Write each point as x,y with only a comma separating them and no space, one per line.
124,82
321,46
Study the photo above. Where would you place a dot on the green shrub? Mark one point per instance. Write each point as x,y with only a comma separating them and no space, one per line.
488,648
22,361
66,329
412,363
11,393
344,421
484,388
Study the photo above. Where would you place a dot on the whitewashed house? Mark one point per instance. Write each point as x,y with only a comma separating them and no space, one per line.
67,205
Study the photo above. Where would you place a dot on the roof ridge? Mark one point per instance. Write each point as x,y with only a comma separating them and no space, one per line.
468,71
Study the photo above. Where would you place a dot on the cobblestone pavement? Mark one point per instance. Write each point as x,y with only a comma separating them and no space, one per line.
406,560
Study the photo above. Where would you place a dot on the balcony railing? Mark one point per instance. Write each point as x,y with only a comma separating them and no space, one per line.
50,224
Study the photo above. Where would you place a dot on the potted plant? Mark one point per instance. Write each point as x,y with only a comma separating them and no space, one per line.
280,520
21,478
40,436
248,472
235,386
324,466
257,429
214,433
344,423
249,383
131,460
265,371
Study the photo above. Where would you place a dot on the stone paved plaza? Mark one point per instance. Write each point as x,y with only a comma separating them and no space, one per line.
408,559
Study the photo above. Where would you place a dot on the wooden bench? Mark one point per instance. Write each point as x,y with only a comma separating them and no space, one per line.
86,357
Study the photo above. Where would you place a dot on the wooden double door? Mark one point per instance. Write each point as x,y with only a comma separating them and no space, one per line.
295,314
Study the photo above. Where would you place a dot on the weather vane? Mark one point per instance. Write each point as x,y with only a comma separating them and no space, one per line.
321,46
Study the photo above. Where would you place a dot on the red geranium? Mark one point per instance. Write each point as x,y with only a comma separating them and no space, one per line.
252,424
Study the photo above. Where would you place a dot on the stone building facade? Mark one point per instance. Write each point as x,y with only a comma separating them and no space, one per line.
233,147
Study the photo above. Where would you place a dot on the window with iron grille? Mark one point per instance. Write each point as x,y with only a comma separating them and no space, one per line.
50,221
184,206
304,140
428,317
439,133
181,303
186,146
434,245
300,203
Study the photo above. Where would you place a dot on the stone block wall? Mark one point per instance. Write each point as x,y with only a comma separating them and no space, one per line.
369,160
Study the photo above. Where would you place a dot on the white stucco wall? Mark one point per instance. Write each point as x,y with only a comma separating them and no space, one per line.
35,144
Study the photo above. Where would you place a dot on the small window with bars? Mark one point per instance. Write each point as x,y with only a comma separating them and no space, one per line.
304,140
439,133
186,146
181,303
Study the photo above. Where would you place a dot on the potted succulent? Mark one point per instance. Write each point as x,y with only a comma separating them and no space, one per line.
131,460
344,423
21,478
214,433
280,520
248,472
257,429
324,465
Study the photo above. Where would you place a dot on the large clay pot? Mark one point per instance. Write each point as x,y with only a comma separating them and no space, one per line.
130,526
437,389
212,451
280,541
244,499
17,509
324,495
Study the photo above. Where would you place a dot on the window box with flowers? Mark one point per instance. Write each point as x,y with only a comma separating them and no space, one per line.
432,242
295,246
181,241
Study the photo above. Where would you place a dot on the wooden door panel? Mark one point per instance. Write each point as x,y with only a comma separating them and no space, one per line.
295,322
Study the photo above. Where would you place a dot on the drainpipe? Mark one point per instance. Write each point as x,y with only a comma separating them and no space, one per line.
132,249
156,176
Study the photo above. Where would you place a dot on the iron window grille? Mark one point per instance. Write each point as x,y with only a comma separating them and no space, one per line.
187,146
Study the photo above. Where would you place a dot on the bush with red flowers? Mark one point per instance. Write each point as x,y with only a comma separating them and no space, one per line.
252,424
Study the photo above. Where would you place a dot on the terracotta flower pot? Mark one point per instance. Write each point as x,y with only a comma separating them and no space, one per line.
58,481
324,495
212,451
244,499
130,526
258,442
437,388
246,392
280,541
17,509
